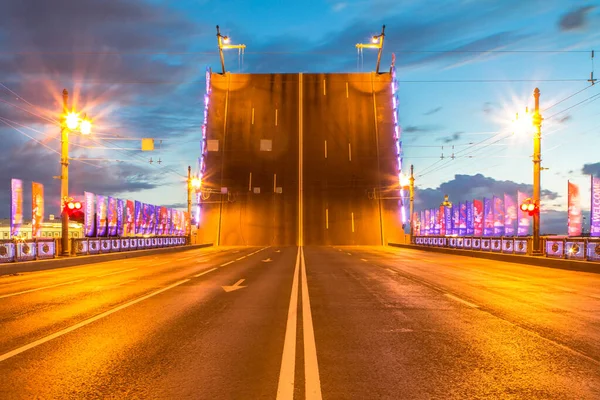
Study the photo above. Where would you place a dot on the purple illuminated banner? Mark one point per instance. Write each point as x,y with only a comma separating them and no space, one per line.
422,225
488,217
477,218
37,209
129,218
120,217
146,212
595,209
442,220
152,220
100,215
510,215
498,216
427,221
112,216
455,219
462,219
469,219
89,219
522,217
432,222
575,215
139,218
448,220
16,206
437,223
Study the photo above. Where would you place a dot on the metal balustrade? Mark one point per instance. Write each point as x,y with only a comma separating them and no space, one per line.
583,249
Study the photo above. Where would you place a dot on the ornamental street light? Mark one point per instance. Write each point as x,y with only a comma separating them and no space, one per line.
70,122
536,121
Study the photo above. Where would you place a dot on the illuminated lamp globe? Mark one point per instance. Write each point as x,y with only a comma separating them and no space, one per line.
530,207
86,127
226,39
375,39
523,207
71,205
78,205
72,121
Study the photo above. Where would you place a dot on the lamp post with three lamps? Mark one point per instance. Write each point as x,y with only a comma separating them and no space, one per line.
70,122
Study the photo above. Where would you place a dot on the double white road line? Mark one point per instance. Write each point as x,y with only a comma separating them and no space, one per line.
285,388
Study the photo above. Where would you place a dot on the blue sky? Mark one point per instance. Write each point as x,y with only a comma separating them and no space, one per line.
465,68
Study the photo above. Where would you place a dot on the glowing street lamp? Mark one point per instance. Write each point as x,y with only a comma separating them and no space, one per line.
376,43
72,122
223,42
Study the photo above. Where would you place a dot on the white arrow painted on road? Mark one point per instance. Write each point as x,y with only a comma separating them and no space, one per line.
235,286
267,260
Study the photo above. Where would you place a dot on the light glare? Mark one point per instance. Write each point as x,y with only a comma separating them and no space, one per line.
72,121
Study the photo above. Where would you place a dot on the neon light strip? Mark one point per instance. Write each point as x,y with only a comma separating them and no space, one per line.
397,136
201,163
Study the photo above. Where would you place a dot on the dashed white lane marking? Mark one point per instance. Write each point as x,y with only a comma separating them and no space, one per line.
349,254
40,288
241,258
205,272
461,300
88,321
227,263
362,259
392,271
116,272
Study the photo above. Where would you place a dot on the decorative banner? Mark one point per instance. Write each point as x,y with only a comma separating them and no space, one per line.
510,215
469,219
498,216
187,222
16,206
415,222
422,223
522,217
575,216
129,218
112,216
100,215
442,220
145,218
152,220
120,217
164,218
37,209
595,208
455,219
139,218
448,220
427,220
488,217
477,218
462,219
436,222
89,223
169,221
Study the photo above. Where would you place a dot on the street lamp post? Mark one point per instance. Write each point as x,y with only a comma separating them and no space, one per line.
70,121
64,176
412,201
537,159
376,43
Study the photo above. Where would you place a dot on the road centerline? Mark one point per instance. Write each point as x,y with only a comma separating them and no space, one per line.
40,288
116,272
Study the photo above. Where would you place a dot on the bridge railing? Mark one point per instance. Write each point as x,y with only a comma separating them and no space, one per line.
584,249
27,249
93,245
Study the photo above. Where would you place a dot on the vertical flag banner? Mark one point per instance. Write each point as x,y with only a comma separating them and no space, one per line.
169,221
437,225
139,218
100,215
112,216
16,206
422,224
37,209
462,219
129,218
442,220
498,216
575,215
152,222
415,221
120,217
164,220
477,218
510,215
188,224
427,219
522,217
145,218
89,218
455,219
469,219
448,218
595,208
488,217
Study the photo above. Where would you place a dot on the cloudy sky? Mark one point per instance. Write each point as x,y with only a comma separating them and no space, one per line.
465,68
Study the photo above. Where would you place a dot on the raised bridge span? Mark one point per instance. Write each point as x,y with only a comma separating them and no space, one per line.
300,158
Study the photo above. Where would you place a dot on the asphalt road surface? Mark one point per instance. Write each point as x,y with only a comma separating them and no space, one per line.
280,323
